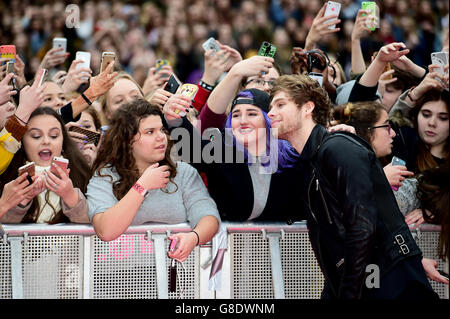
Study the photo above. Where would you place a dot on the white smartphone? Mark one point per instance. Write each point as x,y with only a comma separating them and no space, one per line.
316,76
332,8
60,43
86,58
211,44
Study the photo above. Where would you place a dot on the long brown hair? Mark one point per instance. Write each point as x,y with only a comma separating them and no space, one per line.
79,169
116,150
432,192
424,158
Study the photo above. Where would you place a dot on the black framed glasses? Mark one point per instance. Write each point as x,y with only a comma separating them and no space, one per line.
261,82
387,126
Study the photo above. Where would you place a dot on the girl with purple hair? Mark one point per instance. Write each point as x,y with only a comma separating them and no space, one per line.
241,162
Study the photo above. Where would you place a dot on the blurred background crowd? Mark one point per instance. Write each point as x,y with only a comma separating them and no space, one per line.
141,32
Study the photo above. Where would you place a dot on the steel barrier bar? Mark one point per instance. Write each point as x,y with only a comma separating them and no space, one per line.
16,266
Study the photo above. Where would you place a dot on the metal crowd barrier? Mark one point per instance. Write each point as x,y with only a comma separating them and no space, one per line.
70,261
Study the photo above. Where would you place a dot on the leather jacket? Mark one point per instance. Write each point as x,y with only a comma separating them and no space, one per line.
352,215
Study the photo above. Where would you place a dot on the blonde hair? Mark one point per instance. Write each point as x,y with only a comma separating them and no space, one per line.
122,75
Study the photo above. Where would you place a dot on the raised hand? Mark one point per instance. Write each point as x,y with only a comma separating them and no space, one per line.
319,28
75,77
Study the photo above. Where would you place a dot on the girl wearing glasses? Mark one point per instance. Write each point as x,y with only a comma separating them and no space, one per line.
371,121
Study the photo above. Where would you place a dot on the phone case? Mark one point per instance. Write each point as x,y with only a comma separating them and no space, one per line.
8,51
160,63
372,7
60,43
188,90
267,49
211,44
440,59
61,162
172,85
93,137
397,161
332,8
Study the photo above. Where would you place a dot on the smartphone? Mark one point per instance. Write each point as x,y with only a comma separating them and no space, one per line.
61,162
93,137
188,90
30,169
441,60
60,43
107,58
211,44
86,58
397,162
371,6
332,8
172,85
316,76
8,51
267,49
173,244
160,63
41,80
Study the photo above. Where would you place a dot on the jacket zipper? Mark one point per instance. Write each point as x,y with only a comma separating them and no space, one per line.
309,197
323,200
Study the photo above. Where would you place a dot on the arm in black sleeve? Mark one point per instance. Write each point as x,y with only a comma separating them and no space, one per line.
347,166
66,113
363,93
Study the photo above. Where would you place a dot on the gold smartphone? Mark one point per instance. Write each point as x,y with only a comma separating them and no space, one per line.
107,58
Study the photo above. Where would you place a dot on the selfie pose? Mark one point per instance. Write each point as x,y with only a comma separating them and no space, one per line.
353,218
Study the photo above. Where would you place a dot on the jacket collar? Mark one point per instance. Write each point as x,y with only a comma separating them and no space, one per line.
315,139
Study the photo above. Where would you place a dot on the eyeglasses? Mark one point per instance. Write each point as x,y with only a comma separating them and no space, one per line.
388,126
261,82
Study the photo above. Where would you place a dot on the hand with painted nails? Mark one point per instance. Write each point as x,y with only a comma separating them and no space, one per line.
176,102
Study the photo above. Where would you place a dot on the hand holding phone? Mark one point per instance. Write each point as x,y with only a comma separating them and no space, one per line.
8,52
188,90
397,162
28,168
440,59
107,58
172,85
374,16
63,163
92,136
60,43
211,44
333,8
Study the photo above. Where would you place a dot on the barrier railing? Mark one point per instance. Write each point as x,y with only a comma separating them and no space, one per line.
70,261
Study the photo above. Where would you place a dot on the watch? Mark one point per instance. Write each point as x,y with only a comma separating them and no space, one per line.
141,190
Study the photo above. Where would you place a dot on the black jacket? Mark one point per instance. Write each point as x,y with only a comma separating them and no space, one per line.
353,218
230,184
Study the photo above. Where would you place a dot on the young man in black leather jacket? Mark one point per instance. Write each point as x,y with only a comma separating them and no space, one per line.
358,234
